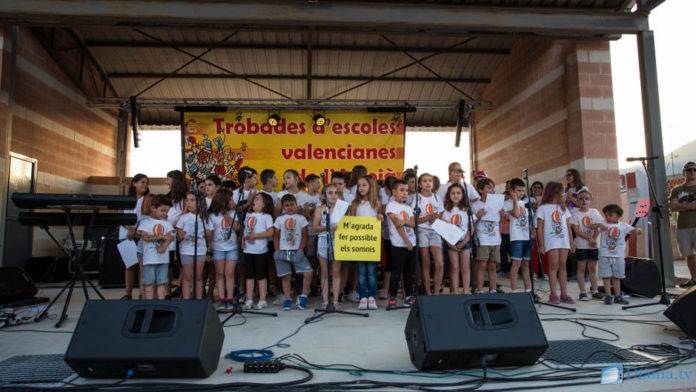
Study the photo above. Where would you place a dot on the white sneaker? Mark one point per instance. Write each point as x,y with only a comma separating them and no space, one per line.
371,303
248,304
279,299
354,296
363,304
261,305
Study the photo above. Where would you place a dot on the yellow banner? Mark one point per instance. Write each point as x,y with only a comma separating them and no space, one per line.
358,238
221,143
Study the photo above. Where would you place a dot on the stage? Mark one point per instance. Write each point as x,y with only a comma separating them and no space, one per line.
378,343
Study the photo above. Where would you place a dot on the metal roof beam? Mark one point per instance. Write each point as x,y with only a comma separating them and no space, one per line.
355,16
298,47
125,75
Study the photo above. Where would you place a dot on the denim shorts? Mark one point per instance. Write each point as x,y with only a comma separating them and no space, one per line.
155,273
612,267
520,250
225,255
188,259
323,247
428,238
285,259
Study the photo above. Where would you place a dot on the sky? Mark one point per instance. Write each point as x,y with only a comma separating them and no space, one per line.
676,62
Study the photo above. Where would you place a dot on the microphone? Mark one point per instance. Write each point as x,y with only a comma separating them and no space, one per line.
633,159
415,168
323,176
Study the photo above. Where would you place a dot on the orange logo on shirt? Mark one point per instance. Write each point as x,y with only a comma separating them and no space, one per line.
403,215
429,209
521,210
586,221
556,217
613,233
456,220
290,223
158,229
224,224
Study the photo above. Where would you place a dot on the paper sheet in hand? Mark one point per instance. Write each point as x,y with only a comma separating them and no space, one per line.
494,203
449,232
339,211
129,252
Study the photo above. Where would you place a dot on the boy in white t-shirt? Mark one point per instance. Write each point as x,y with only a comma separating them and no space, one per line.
289,239
586,243
612,266
156,233
488,235
269,182
520,244
403,239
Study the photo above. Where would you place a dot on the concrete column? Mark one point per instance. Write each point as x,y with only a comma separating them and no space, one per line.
653,146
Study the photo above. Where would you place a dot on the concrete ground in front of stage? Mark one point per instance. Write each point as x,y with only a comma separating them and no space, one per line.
376,342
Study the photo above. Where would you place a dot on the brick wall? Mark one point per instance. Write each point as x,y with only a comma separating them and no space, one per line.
52,124
553,110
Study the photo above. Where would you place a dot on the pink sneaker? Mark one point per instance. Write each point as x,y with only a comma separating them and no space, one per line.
566,299
553,298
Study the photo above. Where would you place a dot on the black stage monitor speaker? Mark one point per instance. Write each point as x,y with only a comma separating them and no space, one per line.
642,277
15,285
112,271
681,312
161,339
455,331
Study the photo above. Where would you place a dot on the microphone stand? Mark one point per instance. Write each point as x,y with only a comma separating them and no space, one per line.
325,274
657,209
195,232
531,212
236,306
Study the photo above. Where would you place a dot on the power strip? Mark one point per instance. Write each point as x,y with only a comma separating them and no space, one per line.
265,366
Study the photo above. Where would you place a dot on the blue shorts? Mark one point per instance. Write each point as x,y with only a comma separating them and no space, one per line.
323,247
467,246
225,255
155,273
520,250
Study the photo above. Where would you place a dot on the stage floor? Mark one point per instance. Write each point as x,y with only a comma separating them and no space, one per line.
378,342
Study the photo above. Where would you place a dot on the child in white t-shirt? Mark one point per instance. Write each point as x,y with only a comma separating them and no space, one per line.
269,182
193,244
224,245
456,212
291,184
156,233
488,236
428,240
553,234
403,239
520,244
258,231
289,238
612,266
586,243
312,201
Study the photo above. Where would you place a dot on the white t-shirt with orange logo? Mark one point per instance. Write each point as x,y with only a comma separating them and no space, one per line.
188,223
155,227
290,227
458,218
428,205
519,227
403,212
583,220
224,238
487,232
555,227
257,222
613,242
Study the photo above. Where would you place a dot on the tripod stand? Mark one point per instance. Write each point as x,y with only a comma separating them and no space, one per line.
530,214
325,274
657,210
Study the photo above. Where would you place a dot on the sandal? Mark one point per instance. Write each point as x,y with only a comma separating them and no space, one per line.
323,306
338,306
126,297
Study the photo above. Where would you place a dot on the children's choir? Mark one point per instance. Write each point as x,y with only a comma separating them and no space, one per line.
242,244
